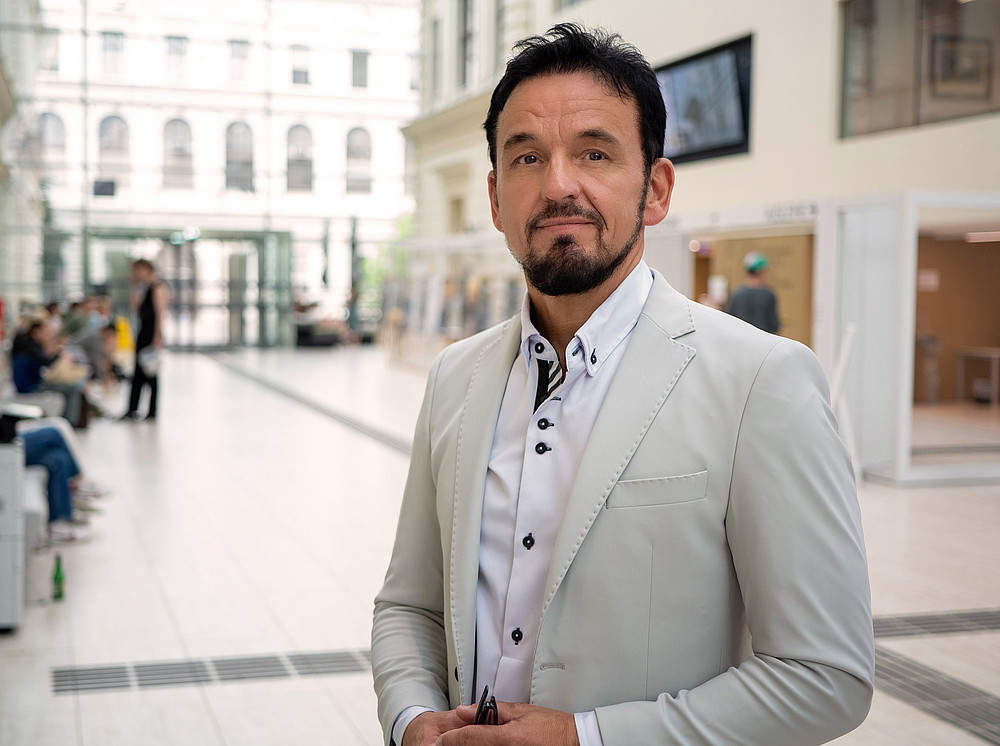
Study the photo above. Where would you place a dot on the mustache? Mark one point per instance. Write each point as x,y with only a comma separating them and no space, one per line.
563,210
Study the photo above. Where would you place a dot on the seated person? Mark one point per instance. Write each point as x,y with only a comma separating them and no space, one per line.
84,490
36,350
45,447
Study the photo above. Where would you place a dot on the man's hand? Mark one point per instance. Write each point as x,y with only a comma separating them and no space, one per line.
519,723
427,726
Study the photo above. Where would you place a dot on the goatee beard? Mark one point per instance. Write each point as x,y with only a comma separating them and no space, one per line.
564,268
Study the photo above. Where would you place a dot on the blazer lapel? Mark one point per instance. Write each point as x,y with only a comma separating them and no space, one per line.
474,442
647,374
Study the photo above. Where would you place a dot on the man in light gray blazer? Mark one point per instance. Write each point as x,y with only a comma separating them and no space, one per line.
628,517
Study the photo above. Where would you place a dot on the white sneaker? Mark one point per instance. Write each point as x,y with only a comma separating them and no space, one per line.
90,488
64,532
86,504
80,519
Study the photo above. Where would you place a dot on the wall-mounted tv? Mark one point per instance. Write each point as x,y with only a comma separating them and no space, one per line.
707,97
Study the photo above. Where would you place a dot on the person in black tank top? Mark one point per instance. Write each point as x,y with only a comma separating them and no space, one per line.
150,307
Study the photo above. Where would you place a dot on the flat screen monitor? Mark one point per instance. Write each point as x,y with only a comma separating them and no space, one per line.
707,97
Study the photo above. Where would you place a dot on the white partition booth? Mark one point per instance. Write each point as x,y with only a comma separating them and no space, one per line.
864,296
871,246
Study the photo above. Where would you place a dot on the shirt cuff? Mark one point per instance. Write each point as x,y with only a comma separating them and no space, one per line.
406,717
587,730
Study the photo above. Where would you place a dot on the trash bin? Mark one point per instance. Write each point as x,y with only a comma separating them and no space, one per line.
981,392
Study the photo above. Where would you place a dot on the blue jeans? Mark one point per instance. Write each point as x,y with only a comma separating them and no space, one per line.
46,447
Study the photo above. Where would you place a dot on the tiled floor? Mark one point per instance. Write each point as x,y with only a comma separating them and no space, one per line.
255,519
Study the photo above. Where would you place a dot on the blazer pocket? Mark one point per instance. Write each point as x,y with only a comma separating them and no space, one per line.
638,493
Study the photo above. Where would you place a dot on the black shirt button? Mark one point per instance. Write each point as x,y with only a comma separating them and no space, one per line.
543,424
541,448
517,635
528,541
539,348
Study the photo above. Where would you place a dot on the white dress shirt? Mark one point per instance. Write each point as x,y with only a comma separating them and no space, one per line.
533,462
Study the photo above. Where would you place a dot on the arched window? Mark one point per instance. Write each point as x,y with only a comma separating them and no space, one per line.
113,156
300,159
177,167
359,161
239,157
53,135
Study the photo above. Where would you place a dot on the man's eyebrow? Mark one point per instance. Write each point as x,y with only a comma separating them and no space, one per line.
518,138
600,135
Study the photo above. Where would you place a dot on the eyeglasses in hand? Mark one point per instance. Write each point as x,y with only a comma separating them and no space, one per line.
486,713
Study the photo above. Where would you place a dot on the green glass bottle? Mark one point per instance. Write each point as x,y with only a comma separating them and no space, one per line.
58,580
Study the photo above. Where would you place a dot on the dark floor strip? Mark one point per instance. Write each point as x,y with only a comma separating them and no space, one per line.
90,678
393,441
953,622
256,667
321,664
964,706
69,680
171,674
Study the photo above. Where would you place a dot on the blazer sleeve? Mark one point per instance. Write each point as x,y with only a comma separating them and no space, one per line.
793,526
409,655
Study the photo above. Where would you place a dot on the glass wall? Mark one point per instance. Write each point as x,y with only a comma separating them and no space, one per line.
910,62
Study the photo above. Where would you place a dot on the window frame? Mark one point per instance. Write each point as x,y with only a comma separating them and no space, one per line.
177,47
359,68
178,164
300,64
299,170
239,171
113,52
359,148
239,65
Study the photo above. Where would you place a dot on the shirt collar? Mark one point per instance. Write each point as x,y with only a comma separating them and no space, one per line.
606,328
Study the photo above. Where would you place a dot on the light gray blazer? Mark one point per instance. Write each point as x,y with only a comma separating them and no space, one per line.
709,583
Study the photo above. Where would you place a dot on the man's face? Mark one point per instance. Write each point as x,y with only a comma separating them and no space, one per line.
570,187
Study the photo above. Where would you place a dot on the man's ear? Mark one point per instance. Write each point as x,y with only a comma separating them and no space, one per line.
661,185
491,184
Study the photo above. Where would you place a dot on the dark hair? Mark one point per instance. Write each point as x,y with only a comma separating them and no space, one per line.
24,341
570,48
144,263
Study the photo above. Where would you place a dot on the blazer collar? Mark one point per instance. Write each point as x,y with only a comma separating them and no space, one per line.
668,309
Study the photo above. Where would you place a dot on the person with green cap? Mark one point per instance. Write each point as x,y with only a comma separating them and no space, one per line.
753,301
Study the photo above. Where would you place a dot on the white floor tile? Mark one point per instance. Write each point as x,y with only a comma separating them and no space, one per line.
281,713
165,717
54,725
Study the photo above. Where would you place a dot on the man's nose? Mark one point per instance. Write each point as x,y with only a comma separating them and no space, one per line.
561,180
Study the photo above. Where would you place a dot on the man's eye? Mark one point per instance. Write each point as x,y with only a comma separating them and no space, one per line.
527,159
595,156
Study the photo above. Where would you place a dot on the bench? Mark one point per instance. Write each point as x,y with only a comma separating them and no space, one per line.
36,510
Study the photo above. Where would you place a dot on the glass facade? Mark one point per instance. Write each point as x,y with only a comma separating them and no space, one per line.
910,62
